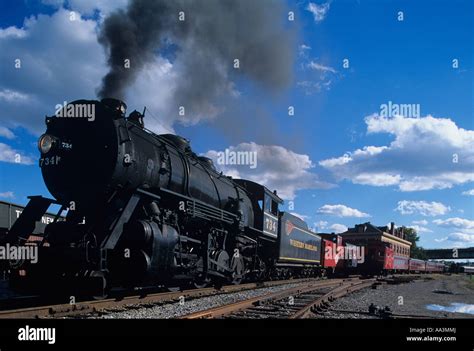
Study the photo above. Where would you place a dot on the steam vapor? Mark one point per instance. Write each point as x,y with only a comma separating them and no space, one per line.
203,47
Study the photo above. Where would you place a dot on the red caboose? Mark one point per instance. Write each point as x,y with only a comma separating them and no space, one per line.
331,246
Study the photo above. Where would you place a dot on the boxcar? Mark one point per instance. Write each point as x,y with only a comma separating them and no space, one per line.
9,213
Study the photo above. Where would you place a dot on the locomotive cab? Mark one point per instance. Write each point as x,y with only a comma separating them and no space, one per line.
265,206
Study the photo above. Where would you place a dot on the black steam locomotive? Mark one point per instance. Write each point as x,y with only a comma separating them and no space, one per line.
145,209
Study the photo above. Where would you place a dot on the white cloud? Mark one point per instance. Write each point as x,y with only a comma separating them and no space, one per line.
11,96
277,168
455,222
421,222
300,216
319,67
463,238
421,229
468,192
320,225
7,195
424,208
6,133
377,179
60,60
319,11
341,211
420,226
88,7
338,228
12,32
311,87
318,77
8,154
303,49
419,158
143,92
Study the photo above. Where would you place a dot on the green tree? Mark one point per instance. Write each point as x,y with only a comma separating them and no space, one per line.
416,251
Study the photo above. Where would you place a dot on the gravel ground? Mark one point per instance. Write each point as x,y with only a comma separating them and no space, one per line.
439,290
175,310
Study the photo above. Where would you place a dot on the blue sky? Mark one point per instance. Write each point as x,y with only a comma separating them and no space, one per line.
338,160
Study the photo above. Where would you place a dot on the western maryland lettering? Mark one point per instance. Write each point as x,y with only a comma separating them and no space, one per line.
301,245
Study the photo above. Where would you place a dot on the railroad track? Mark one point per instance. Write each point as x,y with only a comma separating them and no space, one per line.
292,303
144,299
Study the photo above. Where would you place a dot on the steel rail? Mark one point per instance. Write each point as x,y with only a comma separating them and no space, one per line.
344,289
228,309
63,310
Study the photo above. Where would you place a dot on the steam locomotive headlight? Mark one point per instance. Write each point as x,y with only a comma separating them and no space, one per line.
46,143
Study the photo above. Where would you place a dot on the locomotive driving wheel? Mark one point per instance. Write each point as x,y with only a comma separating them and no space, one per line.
201,280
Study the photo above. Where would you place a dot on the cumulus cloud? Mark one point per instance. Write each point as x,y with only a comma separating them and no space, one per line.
341,211
8,154
49,60
319,11
463,230
338,228
423,208
461,238
455,222
276,168
61,60
468,192
427,153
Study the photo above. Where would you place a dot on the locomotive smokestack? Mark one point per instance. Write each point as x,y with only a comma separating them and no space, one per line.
210,43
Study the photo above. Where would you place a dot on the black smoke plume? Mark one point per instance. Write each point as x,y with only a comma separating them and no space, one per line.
204,46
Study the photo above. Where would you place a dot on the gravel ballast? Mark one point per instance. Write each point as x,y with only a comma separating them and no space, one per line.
410,298
184,307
